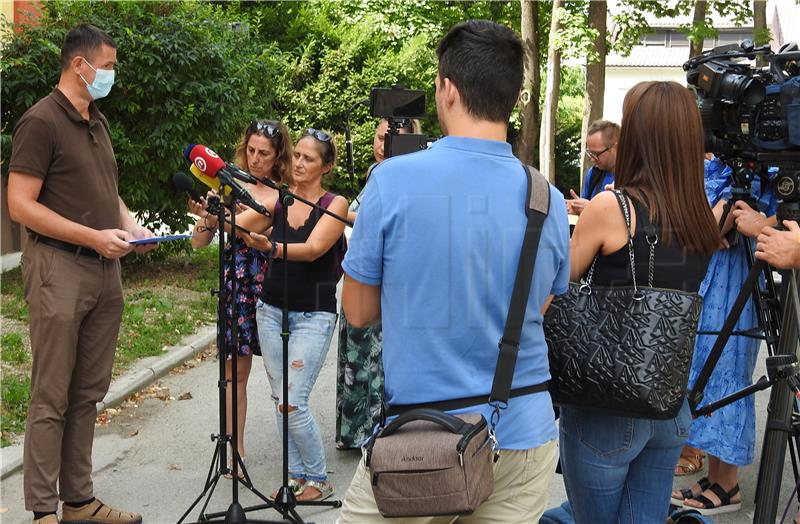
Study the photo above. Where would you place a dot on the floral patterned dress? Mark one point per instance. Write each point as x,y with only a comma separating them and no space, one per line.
728,433
359,379
250,268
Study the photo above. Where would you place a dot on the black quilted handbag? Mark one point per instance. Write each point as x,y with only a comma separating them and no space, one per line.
625,350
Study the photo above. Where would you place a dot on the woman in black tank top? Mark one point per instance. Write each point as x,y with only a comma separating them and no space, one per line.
310,265
619,469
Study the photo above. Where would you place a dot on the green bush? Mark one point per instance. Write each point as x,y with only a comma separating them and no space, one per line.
185,75
568,130
335,52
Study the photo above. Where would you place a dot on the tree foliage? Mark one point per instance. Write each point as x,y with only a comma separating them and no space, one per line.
183,75
335,52
630,18
201,71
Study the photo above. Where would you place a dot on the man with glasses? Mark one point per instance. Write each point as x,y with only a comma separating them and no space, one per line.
601,148
63,188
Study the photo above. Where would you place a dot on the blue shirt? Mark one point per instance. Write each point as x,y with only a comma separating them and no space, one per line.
608,178
440,231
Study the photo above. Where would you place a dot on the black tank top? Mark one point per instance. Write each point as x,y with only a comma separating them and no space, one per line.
312,285
674,268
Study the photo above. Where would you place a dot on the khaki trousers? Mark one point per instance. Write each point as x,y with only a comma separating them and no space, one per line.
521,491
75,307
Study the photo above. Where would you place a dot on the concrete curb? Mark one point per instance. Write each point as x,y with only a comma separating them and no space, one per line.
134,380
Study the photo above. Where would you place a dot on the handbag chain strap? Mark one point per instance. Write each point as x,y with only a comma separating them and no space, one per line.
652,241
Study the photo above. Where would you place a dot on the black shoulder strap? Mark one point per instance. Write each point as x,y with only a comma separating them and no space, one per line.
538,208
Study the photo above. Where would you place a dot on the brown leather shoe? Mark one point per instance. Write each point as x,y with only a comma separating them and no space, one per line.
47,519
96,512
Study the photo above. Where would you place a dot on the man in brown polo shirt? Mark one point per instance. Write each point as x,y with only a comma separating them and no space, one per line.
63,188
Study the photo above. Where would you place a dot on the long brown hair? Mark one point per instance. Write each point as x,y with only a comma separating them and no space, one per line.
660,162
281,141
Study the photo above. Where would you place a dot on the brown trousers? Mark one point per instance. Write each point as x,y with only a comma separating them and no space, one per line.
75,307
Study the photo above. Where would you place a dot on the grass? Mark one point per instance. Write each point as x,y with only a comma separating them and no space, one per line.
165,300
16,391
13,349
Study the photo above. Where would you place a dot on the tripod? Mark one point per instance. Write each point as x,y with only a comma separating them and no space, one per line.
285,501
235,514
778,318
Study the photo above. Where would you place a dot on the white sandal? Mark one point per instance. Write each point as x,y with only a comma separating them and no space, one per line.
324,489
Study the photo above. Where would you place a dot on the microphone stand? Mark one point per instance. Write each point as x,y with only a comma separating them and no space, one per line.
285,501
351,167
219,462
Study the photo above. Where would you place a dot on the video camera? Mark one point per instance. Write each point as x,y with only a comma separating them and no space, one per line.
399,106
751,116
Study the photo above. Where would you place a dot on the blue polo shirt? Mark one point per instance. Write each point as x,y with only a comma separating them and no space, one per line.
440,231
608,178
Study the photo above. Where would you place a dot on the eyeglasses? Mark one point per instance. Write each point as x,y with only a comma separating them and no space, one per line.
264,128
322,136
595,155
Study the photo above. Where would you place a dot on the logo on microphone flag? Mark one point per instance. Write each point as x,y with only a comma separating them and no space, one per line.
200,162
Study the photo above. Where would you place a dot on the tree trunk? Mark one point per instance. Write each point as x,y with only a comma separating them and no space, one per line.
700,6
528,138
547,147
595,88
760,30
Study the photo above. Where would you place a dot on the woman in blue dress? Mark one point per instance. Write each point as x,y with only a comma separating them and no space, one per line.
265,151
728,435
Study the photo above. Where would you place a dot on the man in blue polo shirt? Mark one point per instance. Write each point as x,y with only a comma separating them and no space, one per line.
434,254
601,148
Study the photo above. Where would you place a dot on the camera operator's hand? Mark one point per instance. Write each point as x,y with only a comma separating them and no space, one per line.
780,249
750,222
576,204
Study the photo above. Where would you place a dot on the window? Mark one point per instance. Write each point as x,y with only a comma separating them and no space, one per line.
733,37
658,38
678,39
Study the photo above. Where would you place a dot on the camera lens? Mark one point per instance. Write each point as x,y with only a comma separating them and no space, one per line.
711,114
741,88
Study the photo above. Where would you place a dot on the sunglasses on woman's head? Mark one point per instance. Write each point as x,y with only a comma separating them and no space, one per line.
264,128
322,136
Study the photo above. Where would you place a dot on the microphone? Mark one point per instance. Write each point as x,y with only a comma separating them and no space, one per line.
182,182
215,169
240,174
213,183
211,164
231,188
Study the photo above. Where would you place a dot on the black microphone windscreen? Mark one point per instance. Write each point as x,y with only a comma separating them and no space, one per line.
182,182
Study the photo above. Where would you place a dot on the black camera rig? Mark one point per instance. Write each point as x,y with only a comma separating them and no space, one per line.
751,116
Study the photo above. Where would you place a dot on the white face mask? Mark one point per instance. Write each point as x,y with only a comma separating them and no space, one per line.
103,80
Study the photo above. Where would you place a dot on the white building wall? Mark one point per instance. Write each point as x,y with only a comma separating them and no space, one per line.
620,79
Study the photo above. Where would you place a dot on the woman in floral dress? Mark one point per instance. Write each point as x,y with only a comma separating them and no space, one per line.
264,151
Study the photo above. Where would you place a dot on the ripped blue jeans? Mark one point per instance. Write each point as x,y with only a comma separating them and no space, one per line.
309,341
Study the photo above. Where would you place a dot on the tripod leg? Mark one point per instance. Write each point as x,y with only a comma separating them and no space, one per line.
779,419
211,483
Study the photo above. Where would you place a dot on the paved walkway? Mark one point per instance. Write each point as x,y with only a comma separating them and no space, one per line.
154,457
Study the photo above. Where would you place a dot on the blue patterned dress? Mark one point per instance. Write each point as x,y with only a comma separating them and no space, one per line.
729,433
251,268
